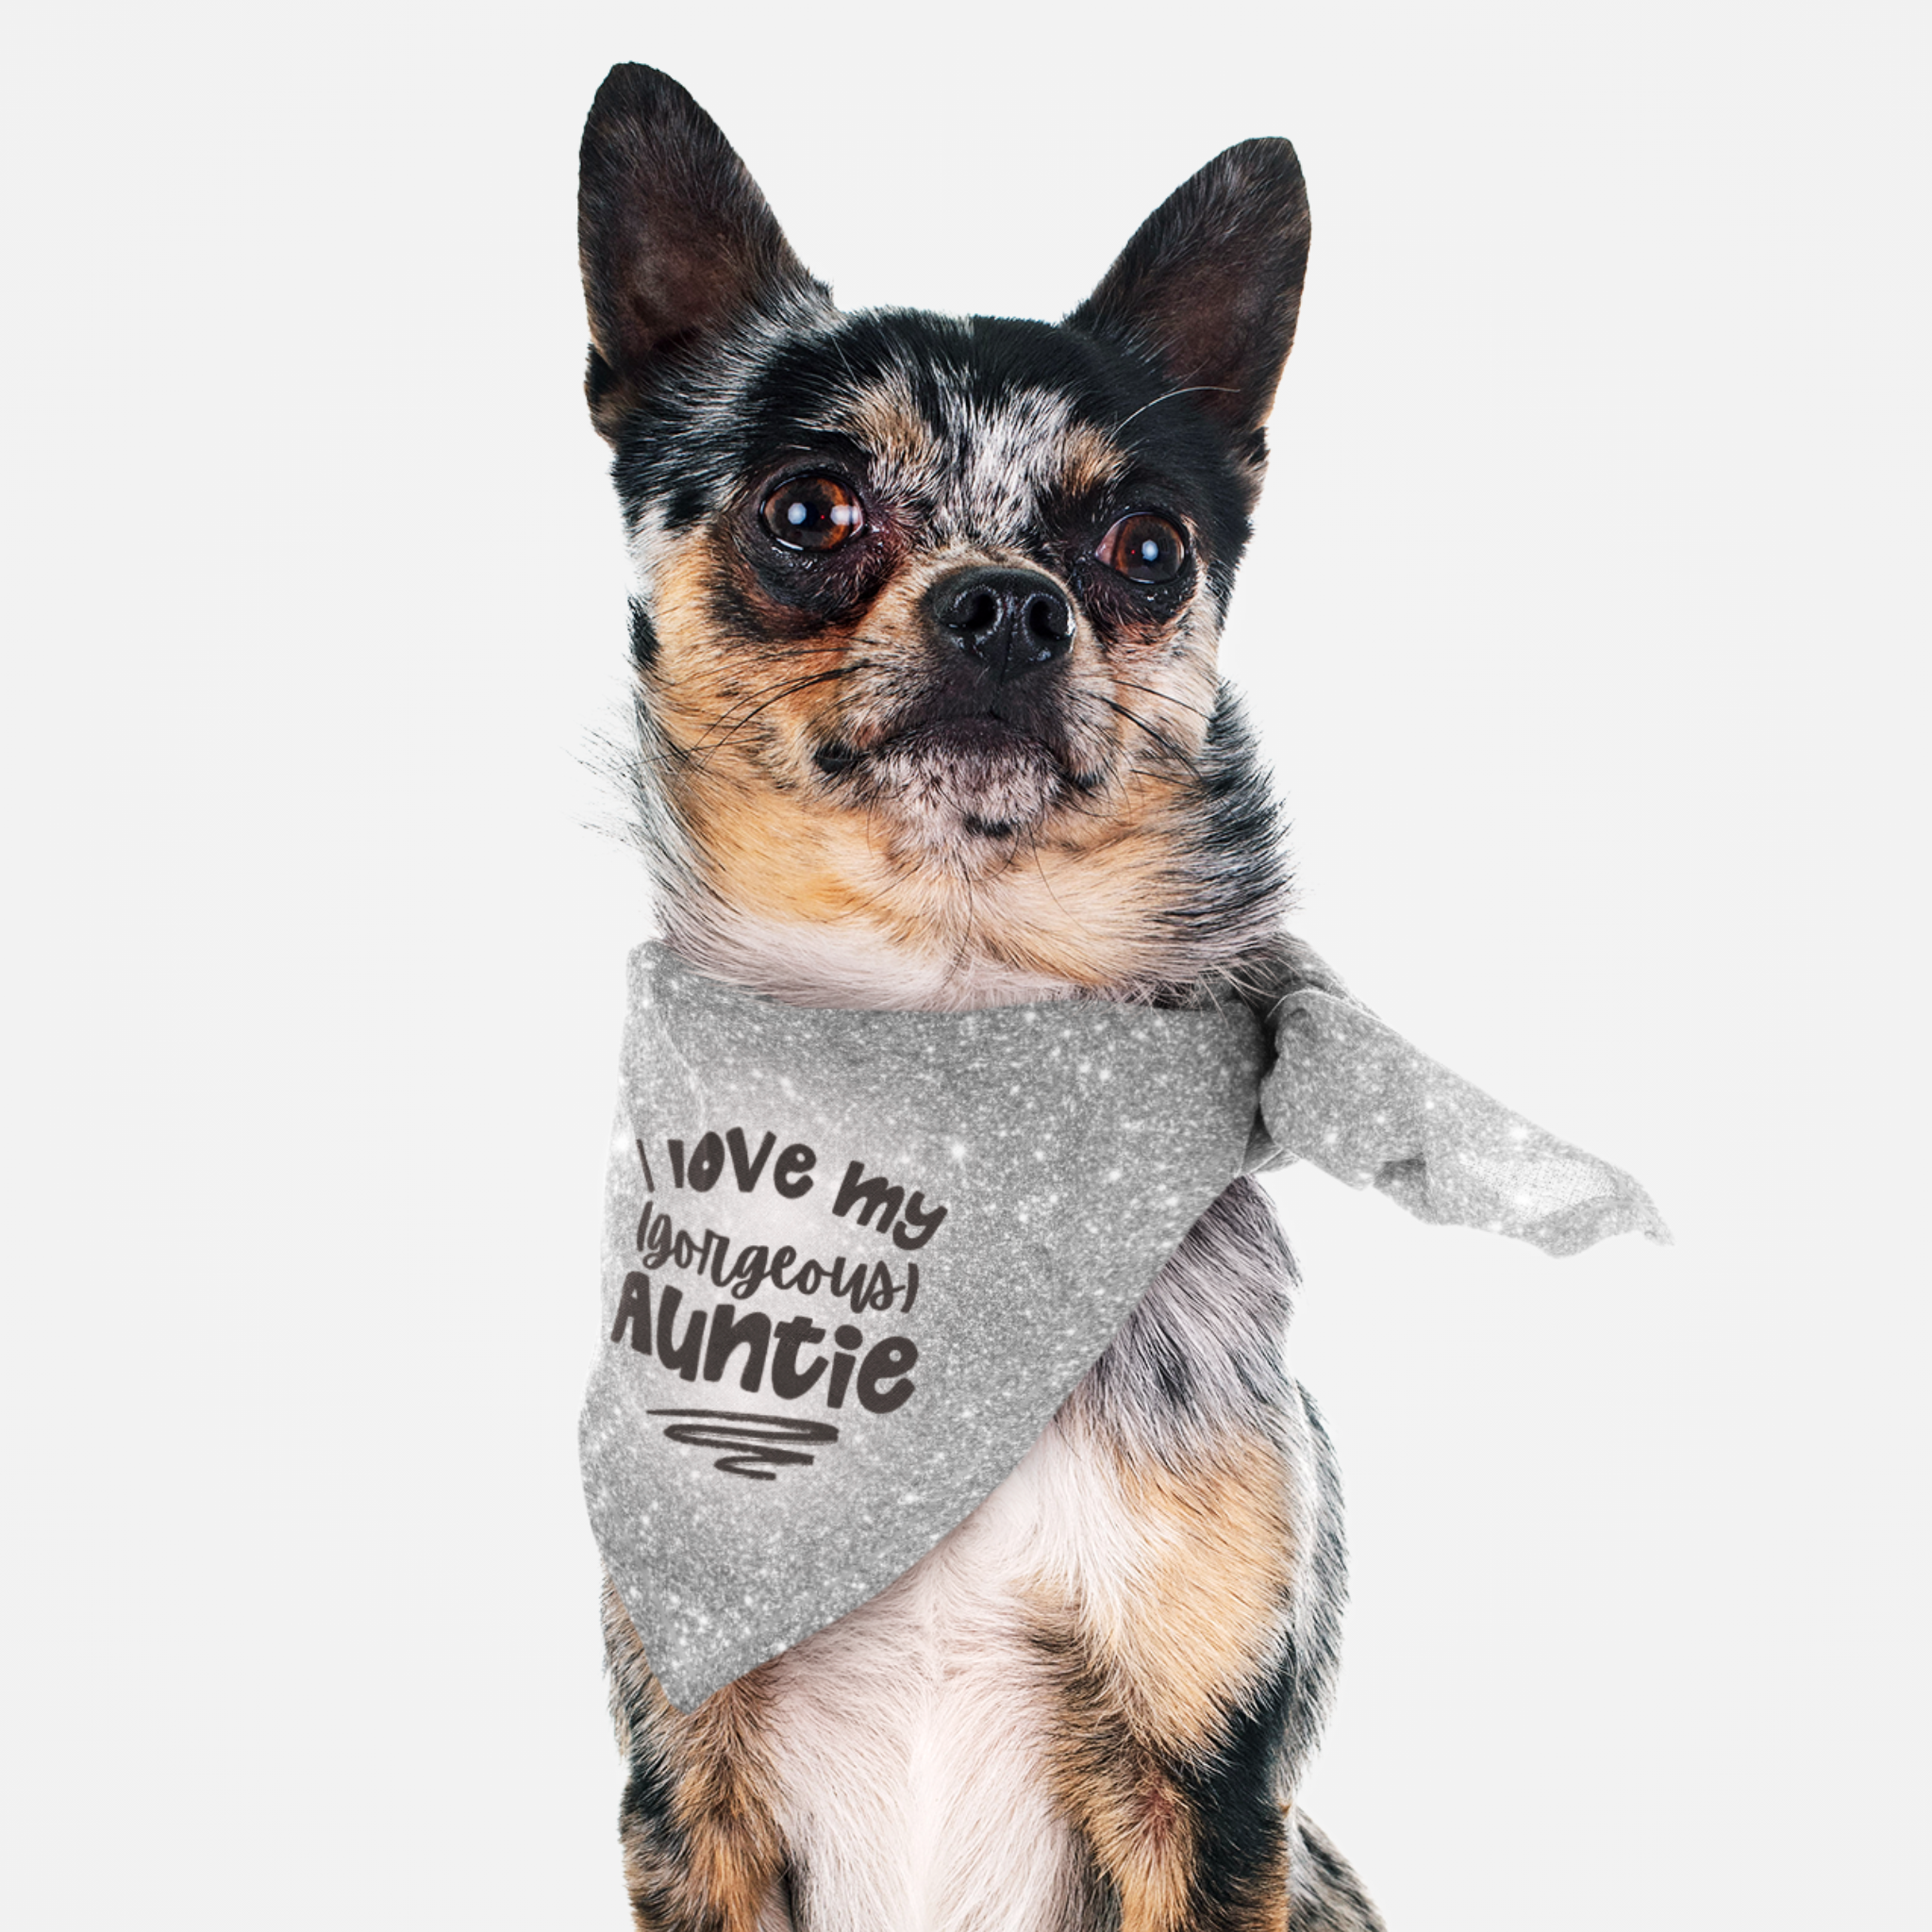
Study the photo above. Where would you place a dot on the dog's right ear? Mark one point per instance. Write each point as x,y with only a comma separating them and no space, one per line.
677,244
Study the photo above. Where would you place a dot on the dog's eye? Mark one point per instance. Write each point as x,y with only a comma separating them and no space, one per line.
813,514
1147,549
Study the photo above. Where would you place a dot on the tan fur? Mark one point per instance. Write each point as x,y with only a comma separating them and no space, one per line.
1186,1642
886,420
1140,1832
1101,1604
1123,1603
1150,1661
1064,908
1045,1638
723,1805
1061,902
1079,1707
1092,460
728,1866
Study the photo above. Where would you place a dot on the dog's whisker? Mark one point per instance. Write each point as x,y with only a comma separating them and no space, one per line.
1040,866
1165,698
1192,390
733,723
1159,737
746,706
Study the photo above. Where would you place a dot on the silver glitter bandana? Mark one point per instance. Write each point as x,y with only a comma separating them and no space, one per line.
855,1260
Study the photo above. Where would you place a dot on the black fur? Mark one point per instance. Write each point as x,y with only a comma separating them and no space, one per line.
698,440
660,290
719,371
1210,285
1325,1895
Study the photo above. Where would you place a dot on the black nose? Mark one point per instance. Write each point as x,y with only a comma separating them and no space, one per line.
1011,621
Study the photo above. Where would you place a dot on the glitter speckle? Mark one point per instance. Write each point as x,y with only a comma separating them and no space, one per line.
996,1115
1357,1100
1072,1145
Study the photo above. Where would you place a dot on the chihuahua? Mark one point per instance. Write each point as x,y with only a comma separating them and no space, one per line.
929,716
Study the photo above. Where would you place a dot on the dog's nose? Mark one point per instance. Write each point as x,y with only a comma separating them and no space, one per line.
1010,620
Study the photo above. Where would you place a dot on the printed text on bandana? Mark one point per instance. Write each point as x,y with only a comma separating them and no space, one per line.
817,1364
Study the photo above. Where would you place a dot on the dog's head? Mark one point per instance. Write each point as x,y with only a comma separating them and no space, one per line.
927,606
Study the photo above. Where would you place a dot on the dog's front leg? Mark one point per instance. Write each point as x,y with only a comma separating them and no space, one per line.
1173,1685
701,1852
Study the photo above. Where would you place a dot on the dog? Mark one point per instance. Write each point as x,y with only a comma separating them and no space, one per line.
928,717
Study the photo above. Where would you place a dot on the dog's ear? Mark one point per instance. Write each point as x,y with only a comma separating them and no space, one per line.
1210,285
676,241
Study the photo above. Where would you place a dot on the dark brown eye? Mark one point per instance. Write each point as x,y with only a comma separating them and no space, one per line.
1146,549
813,514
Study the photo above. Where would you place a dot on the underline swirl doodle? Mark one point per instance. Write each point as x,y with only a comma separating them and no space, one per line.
751,1440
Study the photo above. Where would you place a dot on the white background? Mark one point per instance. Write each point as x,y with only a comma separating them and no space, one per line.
1584,627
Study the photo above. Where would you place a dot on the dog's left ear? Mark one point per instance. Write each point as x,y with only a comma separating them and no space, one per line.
1211,284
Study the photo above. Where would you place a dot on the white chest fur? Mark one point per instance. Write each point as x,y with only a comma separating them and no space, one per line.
909,1739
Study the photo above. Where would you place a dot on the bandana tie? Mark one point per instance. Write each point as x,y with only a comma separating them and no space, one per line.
855,1260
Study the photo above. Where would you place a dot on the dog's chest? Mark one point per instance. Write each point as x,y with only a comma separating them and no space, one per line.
911,1741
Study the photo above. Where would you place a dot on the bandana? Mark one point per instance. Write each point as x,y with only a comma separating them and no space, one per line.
855,1260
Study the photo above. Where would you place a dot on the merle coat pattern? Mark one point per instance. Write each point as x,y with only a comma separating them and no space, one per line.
928,715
